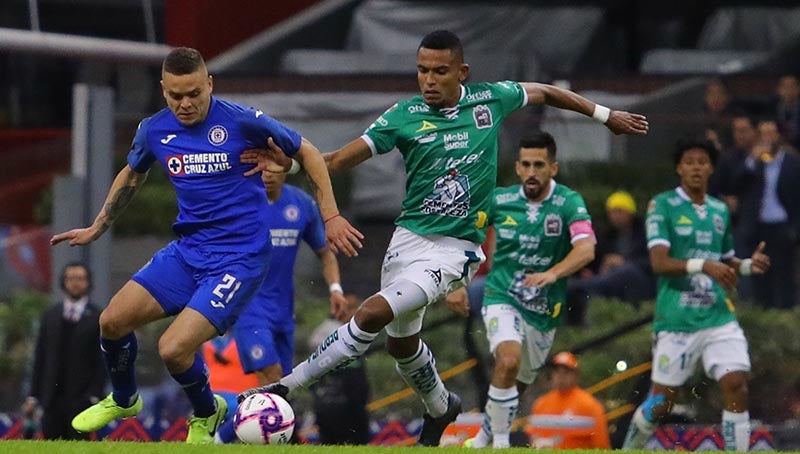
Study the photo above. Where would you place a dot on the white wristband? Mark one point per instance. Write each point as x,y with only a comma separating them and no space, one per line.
746,267
601,113
694,266
295,167
336,288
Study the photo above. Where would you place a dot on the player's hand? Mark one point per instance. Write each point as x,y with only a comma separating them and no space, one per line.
77,237
761,262
458,302
621,122
540,279
725,275
343,237
270,159
340,307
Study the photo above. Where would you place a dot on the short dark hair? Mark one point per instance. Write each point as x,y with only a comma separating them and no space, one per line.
540,139
75,264
183,60
687,143
441,40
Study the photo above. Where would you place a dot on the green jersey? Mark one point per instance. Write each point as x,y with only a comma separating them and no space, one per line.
689,303
450,157
531,238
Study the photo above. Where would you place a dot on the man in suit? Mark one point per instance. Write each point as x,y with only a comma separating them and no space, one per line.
769,185
68,372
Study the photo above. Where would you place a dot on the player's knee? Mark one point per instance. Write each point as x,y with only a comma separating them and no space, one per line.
402,347
734,385
507,363
111,327
175,357
373,314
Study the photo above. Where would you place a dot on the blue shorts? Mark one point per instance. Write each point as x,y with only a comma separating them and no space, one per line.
217,284
261,346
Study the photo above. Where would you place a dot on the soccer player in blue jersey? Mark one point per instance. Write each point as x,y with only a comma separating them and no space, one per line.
264,332
207,276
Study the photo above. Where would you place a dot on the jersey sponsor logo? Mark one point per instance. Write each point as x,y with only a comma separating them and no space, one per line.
418,108
701,294
168,139
506,234
291,213
380,121
198,163
452,163
529,241
217,135
507,198
457,141
674,201
559,200
509,221
436,275
652,229
530,260
257,352
450,196
719,224
427,138
663,364
702,237
684,230
480,96
482,116
334,336
532,298
284,237
552,225
683,220
426,126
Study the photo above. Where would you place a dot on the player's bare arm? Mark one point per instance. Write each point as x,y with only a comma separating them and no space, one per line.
124,187
330,271
269,159
721,272
581,254
342,237
347,157
618,121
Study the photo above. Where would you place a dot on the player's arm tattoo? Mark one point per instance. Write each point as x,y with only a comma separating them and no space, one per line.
128,184
314,187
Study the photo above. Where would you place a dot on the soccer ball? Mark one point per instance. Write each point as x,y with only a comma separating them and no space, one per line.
264,419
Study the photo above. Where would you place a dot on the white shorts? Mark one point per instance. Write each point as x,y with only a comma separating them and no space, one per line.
723,349
505,324
437,264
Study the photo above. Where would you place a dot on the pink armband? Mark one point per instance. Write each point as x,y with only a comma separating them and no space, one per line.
581,229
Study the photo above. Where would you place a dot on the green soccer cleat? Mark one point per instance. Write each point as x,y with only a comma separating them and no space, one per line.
103,412
468,442
202,430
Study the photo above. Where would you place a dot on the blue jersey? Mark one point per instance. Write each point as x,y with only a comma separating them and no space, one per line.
294,216
219,209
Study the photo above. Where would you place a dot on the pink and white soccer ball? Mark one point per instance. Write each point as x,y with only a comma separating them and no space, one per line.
264,419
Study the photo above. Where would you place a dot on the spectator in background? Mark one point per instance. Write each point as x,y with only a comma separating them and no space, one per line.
340,398
567,417
68,372
722,182
622,268
769,183
787,109
717,109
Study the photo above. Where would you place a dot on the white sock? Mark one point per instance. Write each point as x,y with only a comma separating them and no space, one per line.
342,346
419,372
639,431
736,430
501,409
484,436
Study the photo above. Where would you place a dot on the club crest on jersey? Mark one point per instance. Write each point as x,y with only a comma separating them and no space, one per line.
719,224
291,213
482,116
257,352
217,135
175,165
552,225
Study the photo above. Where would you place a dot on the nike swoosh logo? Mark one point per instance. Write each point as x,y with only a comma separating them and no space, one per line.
167,139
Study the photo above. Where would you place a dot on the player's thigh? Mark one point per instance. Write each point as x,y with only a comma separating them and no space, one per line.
129,309
226,285
260,346
437,266
536,347
503,324
725,351
675,357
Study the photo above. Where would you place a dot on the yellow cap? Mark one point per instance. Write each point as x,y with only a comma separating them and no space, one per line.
621,200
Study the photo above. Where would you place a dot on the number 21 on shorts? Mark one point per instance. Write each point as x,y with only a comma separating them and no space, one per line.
225,290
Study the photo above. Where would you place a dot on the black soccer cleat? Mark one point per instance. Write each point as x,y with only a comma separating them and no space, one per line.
432,428
272,388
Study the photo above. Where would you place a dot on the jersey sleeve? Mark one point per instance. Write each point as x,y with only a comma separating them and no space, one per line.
258,126
578,218
657,224
314,233
141,157
511,94
381,136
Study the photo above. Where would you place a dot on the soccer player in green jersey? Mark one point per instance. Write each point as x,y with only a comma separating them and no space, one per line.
448,139
542,234
691,250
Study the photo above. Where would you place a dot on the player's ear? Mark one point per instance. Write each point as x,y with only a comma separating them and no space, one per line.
210,82
464,72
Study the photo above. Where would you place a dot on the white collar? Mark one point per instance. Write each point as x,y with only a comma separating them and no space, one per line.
550,192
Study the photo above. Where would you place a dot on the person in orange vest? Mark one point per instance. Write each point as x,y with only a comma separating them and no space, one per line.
226,375
567,417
